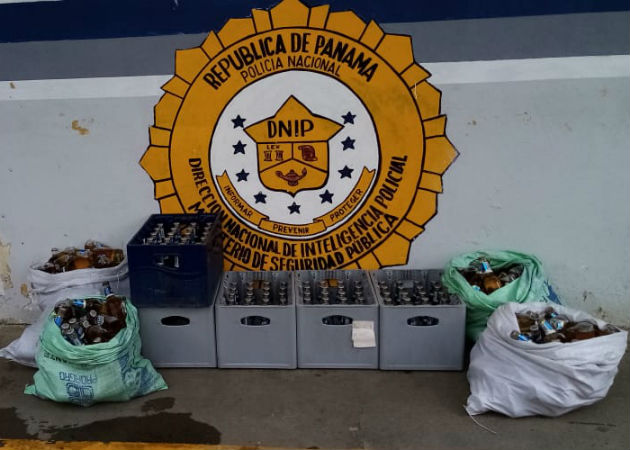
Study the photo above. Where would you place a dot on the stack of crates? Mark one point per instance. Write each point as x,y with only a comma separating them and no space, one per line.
175,266
255,313
328,305
421,325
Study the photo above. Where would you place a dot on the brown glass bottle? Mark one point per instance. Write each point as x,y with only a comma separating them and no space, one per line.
524,322
96,334
491,283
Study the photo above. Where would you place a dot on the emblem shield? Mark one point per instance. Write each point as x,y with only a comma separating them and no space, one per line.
292,148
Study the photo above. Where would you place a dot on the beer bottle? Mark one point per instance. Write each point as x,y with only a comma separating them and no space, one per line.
524,321
606,330
581,331
91,244
64,310
114,306
82,259
491,283
534,332
71,336
550,313
106,257
546,327
64,260
112,325
517,335
96,334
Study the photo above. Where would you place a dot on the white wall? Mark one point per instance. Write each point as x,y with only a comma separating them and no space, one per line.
543,168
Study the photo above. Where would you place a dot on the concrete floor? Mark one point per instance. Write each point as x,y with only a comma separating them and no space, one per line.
309,409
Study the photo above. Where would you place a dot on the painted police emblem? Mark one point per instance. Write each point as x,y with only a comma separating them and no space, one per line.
314,137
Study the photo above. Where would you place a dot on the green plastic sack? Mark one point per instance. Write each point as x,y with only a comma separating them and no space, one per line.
112,371
531,286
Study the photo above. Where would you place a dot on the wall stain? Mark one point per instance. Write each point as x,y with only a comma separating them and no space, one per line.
11,84
24,290
82,131
5,270
163,427
158,404
602,314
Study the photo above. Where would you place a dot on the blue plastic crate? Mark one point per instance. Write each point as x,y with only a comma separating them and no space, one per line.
175,275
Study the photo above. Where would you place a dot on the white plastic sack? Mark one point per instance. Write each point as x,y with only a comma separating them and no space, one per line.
519,378
47,289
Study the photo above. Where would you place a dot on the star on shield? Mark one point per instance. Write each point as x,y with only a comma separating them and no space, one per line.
348,118
260,198
294,208
242,175
326,196
238,121
348,143
346,172
239,148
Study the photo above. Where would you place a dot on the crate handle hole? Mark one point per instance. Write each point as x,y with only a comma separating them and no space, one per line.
175,321
255,321
337,320
423,321
167,261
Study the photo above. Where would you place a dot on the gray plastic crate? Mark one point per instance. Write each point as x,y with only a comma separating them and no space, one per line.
256,335
419,337
178,337
325,330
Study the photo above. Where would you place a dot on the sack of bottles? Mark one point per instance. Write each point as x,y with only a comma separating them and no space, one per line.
535,359
485,280
90,352
481,277
550,326
91,320
94,255
45,289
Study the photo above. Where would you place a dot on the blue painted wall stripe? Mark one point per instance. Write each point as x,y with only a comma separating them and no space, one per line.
93,19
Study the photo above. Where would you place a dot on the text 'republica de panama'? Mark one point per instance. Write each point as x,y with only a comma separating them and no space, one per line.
309,51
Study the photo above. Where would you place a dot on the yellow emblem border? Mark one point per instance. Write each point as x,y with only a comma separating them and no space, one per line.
437,153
